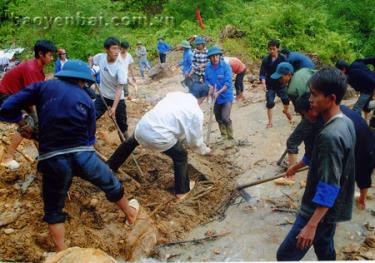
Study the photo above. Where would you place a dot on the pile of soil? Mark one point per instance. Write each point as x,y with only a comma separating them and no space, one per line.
96,223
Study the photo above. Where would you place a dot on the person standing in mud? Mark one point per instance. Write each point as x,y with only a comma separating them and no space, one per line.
329,192
18,78
186,64
272,87
163,48
239,69
218,77
66,137
175,118
200,60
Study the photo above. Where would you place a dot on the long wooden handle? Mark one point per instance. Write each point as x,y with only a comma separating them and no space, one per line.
240,187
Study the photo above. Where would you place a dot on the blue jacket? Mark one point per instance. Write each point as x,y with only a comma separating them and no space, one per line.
66,114
163,47
299,60
187,61
220,76
360,77
57,65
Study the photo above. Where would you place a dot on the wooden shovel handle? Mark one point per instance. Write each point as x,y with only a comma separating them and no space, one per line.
240,187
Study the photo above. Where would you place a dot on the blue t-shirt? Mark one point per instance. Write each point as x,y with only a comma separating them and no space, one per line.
299,60
187,61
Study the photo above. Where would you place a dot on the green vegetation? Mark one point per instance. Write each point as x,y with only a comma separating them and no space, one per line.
331,29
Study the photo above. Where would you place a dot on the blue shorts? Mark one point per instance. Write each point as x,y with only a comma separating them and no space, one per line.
271,94
58,173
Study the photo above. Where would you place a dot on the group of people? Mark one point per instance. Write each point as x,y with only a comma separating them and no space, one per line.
61,116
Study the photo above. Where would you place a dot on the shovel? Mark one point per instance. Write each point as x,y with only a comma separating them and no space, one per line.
212,104
247,197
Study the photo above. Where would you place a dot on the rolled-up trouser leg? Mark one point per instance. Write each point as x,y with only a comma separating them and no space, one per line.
180,166
302,131
362,101
122,153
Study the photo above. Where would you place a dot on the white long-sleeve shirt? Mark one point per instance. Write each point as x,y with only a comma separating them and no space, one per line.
176,117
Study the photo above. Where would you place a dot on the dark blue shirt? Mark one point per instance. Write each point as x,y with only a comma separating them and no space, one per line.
267,68
65,111
299,60
360,77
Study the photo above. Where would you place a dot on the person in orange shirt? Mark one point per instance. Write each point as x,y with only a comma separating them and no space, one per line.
238,68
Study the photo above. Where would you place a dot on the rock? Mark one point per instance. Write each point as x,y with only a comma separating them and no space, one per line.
8,217
78,255
230,31
284,181
94,202
216,251
369,255
9,231
370,241
351,248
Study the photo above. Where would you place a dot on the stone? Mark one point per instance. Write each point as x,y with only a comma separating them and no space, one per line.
370,241
78,255
9,231
8,217
94,202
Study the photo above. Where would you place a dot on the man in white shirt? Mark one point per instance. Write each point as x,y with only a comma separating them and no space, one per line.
127,60
112,81
175,118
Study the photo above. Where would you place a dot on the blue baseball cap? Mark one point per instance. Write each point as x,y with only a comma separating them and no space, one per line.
76,69
282,69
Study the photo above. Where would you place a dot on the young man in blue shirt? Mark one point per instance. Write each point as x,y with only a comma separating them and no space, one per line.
328,196
218,77
186,63
163,48
298,60
66,137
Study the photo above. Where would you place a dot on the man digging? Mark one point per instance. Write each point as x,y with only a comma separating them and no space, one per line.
67,133
175,118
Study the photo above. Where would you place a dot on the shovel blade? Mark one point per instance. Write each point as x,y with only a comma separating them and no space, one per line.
245,195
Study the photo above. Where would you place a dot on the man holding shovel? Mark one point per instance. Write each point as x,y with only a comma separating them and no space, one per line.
328,196
174,119
67,133
218,77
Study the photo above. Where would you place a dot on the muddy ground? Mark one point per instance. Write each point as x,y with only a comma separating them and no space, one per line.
254,230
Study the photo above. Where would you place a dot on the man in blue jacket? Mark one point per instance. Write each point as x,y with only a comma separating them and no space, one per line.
298,60
66,137
218,77
163,49
362,79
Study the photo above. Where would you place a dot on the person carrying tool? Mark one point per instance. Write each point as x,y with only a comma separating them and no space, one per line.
66,136
218,77
328,196
186,64
364,146
362,79
239,69
127,61
296,83
298,60
163,48
175,118
18,78
272,87
141,54
112,81
200,60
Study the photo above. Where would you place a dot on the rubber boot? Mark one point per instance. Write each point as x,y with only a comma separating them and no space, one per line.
223,130
230,143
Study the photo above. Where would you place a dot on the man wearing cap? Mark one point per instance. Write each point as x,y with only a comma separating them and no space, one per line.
61,60
186,63
218,77
163,48
297,85
362,79
141,53
298,60
200,60
272,87
175,118
66,137
18,78
238,68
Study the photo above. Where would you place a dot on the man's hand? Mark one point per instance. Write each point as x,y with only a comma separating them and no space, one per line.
291,171
112,112
306,237
26,127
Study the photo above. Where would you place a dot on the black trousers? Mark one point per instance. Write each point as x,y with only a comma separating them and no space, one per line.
121,117
177,153
163,58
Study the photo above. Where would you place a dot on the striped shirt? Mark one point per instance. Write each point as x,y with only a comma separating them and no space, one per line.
200,61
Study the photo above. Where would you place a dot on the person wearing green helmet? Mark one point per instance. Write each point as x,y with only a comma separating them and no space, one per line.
67,128
218,77
186,63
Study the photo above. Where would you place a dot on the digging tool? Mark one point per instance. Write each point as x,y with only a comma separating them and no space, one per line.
122,137
213,100
279,162
247,197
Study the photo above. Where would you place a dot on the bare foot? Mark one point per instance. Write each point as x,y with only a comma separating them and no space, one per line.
180,197
288,115
361,204
269,125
